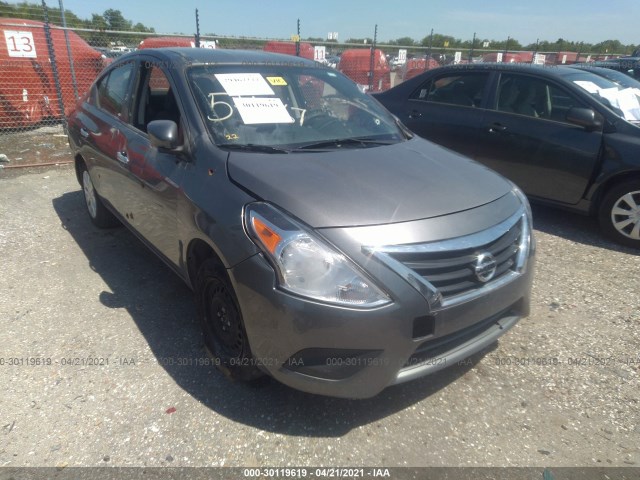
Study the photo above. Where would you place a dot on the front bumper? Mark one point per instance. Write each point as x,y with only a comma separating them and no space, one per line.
353,353
437,317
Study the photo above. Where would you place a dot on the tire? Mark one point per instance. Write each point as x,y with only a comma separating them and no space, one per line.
99,214
225,337
619,214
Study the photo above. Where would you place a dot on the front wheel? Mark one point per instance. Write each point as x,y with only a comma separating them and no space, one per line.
620,214
223,328
99,214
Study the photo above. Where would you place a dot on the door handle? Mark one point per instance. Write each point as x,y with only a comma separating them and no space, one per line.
496,127
122,158
415,114
84,132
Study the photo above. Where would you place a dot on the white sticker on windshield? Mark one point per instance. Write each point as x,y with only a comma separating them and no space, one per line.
262,110
239,84
611,96
628,103
624,100
587,85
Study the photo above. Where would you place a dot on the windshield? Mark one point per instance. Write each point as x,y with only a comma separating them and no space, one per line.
276,108
620,78
624,101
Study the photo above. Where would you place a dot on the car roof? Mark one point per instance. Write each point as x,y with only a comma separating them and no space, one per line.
595,68
191,56
511,67
617,62
622,59
614,75
554,71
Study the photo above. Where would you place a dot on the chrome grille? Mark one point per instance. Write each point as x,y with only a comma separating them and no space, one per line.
452,272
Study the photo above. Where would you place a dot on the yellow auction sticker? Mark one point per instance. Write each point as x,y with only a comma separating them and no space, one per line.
278,81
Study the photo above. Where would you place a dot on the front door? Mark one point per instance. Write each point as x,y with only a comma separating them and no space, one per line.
159,173
447,109
527,138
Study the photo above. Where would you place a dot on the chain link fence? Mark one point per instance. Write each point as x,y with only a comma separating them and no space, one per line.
46,66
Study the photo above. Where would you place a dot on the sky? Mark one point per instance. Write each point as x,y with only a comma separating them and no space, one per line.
526,21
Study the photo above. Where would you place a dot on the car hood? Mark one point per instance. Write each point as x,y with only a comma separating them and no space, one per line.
406,181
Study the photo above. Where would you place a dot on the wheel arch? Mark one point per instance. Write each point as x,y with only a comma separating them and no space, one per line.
610,183
79,163
198,252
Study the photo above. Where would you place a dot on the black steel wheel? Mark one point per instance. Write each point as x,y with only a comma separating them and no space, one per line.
223,328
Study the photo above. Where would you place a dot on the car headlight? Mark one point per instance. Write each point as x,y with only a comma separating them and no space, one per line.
527,241
525,202
305,264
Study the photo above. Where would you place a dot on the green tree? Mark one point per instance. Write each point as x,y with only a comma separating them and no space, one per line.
608,46
116,21
513,44
139,27
439,41
98,22
403,42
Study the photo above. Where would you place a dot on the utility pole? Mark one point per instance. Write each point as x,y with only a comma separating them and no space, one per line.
473,44
197,29
54,63
430,42
298,40
372,58
66,38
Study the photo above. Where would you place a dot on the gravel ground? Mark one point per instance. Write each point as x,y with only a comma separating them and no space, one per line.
561,389
33,146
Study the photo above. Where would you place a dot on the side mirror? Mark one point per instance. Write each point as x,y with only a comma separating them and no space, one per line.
163,134
584,117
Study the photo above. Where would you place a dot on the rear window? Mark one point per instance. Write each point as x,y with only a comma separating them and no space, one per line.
465,89
113,89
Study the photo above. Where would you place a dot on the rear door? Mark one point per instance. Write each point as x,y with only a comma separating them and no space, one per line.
526,137
448,108
101,122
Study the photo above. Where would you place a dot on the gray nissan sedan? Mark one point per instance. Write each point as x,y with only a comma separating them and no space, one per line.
327,246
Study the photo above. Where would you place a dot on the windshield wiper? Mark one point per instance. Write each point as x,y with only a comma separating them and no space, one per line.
251,147
340,142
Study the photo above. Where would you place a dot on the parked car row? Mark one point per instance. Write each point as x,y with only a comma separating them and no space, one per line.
327,244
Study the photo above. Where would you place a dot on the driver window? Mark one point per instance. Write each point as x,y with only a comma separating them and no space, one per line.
534,97
157,99
464,89
112,89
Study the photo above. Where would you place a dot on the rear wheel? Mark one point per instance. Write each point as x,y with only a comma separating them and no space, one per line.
223,328
620,213
99,214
